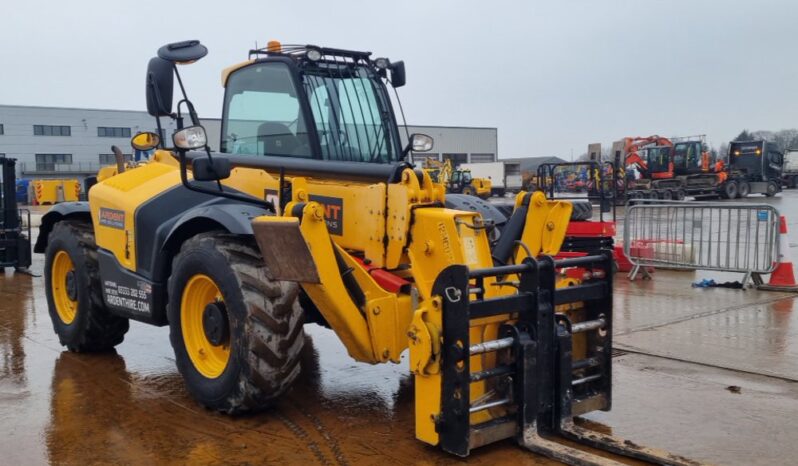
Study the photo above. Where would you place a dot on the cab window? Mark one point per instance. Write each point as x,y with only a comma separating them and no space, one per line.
262,113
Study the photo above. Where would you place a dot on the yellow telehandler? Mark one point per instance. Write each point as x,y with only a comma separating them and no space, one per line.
311,200
456,180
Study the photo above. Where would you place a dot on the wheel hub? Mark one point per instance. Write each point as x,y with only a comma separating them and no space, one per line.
215,323
71,286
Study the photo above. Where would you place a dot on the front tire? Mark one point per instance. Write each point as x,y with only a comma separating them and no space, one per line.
772,189
237,335
74,294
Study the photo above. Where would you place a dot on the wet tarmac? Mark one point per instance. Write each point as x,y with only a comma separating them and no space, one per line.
706,373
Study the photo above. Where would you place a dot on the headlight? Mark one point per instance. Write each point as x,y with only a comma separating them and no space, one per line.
190,138
381,63
313,54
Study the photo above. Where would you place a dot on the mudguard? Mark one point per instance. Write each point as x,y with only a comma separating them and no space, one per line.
54,215
236,218
150,277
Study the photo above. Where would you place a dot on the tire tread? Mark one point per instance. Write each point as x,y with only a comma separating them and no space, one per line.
103,330
273,333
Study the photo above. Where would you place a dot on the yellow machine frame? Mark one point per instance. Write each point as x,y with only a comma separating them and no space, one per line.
376,251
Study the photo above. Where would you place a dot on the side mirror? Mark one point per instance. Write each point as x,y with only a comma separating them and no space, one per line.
145,141
398,74
205,170
191,138
183,53
421,142
160,86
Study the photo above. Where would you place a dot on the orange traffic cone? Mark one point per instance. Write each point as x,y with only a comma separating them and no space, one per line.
783,277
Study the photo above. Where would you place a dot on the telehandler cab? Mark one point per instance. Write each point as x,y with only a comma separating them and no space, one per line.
312,197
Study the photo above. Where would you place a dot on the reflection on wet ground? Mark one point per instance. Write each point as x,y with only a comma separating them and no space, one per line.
707,373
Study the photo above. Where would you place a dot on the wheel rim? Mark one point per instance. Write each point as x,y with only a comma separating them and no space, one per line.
209,359
64,287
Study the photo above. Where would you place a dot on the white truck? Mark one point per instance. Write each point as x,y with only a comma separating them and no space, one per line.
504,177
790,175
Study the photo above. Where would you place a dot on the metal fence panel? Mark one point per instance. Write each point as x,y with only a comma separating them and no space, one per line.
702,235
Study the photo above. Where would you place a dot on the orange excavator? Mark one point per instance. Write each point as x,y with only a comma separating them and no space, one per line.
672,168
633,146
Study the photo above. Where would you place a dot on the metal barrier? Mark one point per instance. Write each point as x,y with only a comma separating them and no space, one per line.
701,235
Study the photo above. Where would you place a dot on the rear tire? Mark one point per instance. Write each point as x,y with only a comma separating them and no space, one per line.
680,194
582,210
667,195
255,357
729,190
74,293
743,190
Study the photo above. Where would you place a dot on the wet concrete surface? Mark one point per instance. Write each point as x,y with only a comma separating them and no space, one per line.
706,373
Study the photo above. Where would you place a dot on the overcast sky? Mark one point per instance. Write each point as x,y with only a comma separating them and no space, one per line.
552,75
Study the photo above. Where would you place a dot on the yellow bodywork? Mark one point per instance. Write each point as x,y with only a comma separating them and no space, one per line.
55,191
420,239
481,187
442,172
399,228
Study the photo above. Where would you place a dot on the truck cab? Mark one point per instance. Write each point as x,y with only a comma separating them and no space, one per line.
755,167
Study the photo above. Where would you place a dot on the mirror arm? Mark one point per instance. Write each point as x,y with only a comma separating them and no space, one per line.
407,149
191,112
237,197
161,133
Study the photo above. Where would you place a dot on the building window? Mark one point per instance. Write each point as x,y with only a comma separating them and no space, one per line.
2,130
113,132
110,159
420,157
483,158
49,130
47,162
456,159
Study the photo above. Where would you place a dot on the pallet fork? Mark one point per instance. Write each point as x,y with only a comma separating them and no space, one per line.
536,382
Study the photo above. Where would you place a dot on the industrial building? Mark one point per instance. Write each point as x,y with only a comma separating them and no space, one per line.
56,142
